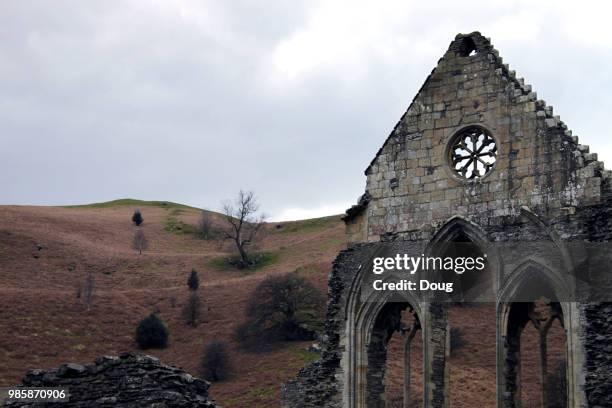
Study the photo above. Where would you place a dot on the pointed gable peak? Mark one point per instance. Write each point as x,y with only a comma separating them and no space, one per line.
468,48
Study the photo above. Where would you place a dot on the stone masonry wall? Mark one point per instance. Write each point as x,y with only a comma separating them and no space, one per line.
539,163
126,381
598,350
321,383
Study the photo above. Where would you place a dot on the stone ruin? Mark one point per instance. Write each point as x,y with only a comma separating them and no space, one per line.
126,381
476,158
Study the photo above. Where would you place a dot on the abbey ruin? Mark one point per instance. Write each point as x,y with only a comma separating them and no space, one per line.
477,158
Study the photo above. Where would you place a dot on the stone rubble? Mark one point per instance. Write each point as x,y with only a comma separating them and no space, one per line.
129,380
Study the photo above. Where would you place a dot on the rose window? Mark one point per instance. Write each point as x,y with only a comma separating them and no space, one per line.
473,153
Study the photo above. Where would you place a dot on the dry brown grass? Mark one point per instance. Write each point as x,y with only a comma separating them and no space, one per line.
43,324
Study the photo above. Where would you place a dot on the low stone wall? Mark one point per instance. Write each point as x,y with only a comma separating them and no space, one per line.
126,381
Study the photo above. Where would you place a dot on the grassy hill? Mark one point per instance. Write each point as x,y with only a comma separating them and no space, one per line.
44,324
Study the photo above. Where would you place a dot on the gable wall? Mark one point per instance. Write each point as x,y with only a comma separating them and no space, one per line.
539,164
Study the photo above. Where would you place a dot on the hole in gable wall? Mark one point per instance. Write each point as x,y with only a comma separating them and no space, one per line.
467,47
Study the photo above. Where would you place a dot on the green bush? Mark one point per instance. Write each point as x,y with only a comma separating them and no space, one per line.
152,333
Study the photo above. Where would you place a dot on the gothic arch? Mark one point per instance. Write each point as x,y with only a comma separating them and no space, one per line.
457,227
529,279
362,312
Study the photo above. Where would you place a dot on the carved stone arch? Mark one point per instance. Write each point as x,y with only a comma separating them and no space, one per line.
354,387
375,302
561,245
530,274
455,230
456,226
380,316
519,278
362,311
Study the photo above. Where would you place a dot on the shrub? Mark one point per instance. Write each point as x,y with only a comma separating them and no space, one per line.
193,281
216,363
191,311
281,308
152,333
137,218
456,339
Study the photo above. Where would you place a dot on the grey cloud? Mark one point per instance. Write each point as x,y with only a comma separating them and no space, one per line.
102,100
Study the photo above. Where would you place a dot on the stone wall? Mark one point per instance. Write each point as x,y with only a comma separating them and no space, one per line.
598,350
125,381
322,384
539,163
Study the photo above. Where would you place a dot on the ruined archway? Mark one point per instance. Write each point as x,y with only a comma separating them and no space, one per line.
370,323
400,320
534,298
469,314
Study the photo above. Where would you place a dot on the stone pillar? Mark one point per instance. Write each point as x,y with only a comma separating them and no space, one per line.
512,368
543,370
542,322
408,333
438,350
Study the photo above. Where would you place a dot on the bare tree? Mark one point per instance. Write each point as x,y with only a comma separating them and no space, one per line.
205,225
89,288
140,242
244,223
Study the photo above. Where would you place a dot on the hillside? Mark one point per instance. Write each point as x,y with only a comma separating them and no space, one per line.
43,324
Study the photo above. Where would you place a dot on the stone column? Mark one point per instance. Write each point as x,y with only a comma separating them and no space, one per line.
438,354
408,333
542,321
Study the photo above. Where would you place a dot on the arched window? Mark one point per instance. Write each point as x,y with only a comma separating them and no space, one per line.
395,359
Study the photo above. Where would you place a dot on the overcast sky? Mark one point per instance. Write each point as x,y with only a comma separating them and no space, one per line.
190,101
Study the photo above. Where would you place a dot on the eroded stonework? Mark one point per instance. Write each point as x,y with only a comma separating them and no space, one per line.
125,381
543,187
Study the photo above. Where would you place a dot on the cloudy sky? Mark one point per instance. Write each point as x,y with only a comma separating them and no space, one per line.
190,101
